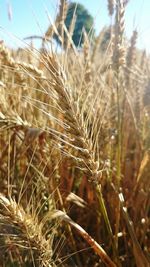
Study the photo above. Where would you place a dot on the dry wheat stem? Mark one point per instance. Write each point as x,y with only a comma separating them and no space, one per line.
96,247
80,139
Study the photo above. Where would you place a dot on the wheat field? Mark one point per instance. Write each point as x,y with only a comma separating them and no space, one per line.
74,150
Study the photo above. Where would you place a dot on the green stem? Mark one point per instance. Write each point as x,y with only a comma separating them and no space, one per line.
106,219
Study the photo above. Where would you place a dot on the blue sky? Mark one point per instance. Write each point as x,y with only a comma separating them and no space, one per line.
29,17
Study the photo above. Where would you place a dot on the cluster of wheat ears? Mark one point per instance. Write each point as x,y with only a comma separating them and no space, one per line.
74,150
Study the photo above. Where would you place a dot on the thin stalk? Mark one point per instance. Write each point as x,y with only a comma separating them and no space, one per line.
106,219
118,159
119,134
68,228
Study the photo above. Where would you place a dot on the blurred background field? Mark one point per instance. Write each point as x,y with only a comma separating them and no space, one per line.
74,133
26,18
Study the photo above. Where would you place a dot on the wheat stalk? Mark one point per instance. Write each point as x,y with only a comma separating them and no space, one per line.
79,140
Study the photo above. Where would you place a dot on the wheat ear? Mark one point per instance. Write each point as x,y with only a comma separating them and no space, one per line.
118,57
111,7
9,61
30,231
60,18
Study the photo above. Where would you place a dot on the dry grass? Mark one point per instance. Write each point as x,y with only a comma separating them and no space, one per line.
74,145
